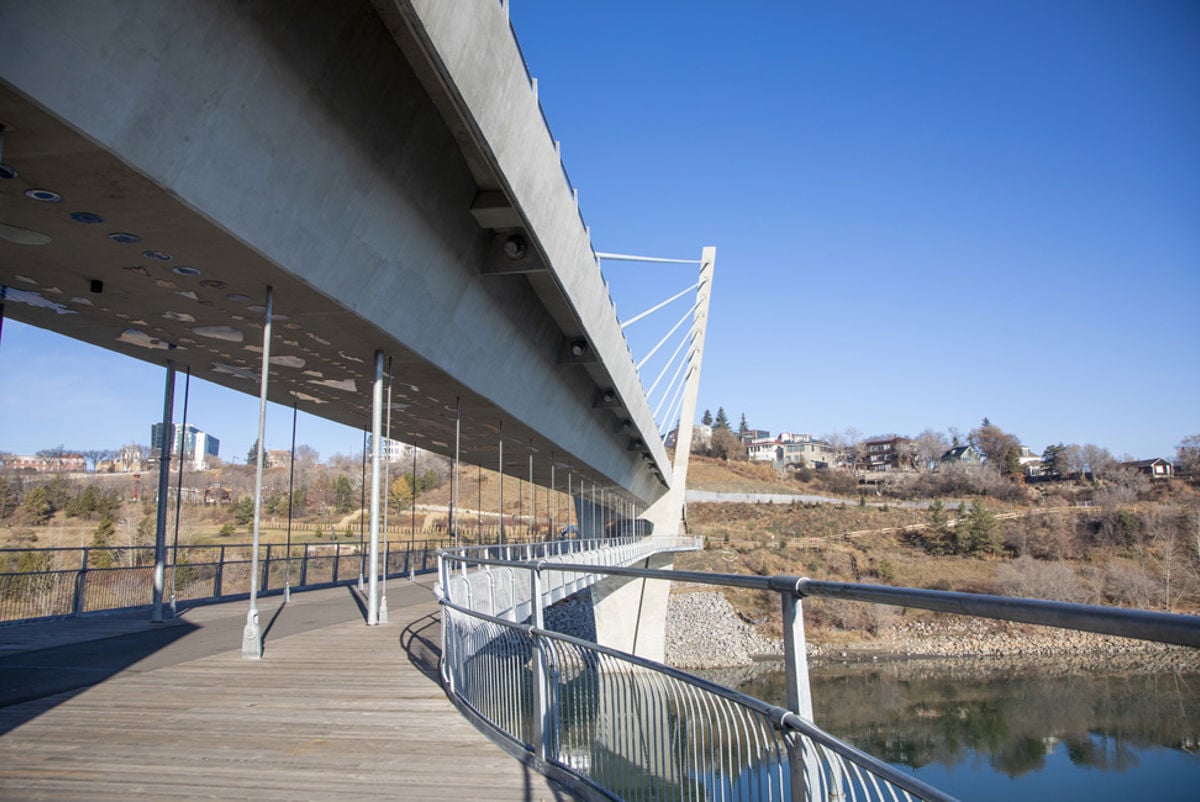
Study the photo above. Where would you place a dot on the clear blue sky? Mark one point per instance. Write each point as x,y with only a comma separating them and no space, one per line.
925,213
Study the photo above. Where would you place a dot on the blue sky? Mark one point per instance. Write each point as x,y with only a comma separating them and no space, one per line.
925,213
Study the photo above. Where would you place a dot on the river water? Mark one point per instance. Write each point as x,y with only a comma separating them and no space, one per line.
1012,730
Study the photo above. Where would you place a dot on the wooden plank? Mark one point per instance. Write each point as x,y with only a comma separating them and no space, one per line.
335,710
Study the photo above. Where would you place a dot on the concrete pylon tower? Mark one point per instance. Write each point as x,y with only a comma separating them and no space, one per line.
668,512
631,614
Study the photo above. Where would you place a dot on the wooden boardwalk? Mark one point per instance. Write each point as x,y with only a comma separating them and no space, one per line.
334,710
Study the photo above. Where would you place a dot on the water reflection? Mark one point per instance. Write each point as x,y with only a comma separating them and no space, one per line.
958,723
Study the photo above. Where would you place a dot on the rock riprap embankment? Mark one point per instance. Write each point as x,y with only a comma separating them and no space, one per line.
704,631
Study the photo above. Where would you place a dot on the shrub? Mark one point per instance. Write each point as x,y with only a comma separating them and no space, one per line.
1035,579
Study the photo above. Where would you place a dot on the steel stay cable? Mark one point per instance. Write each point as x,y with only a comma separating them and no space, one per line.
654,309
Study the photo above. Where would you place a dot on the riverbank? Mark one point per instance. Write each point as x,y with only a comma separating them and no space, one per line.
704,631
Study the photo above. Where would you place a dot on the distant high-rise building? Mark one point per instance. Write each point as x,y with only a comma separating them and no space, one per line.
391,450
197,445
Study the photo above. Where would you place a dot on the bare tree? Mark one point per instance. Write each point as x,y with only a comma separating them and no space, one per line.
1187,455
837,442
999,448
1038,579
930,447
1097,461
727,445
96,455
1123,487
1163,524
856,445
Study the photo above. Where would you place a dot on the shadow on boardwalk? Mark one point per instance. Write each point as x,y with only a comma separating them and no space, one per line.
421,642
335,710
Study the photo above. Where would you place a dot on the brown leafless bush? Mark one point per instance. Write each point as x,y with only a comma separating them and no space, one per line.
1039,579
1129,584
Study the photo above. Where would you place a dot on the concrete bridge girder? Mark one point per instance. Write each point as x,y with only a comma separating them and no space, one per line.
369,162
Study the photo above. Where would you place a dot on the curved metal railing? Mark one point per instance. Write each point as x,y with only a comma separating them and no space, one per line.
629,728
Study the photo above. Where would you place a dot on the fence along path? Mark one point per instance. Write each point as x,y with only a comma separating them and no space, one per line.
334,710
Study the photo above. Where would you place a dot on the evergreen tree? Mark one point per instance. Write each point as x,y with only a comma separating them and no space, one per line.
939,536
427,481
37,509
101,540
243,511
1054,460
707,419
743,429
980,532
721,421
343,495
252,454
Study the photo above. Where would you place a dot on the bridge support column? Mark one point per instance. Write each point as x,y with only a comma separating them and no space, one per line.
631,614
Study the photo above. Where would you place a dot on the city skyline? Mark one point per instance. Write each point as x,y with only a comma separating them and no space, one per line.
923,216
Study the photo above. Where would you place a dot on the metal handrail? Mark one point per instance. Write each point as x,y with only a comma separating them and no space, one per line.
56,593
1174,628
786,718
510,674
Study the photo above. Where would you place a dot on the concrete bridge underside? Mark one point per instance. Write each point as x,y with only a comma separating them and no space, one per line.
383,166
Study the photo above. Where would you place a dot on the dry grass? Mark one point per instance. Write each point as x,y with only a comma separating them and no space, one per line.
709,473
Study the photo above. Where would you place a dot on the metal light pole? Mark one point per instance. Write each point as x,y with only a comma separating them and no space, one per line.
251,635
387,477
164,485
376,433
287,570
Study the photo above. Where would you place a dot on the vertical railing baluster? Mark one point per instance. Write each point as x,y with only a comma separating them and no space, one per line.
80,587
266,570
218,575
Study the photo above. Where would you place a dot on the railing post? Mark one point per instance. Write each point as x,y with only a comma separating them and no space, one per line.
337,559
218,574
802,762
541,707
491,591
512,593
80,587
266,569
304,567
449,649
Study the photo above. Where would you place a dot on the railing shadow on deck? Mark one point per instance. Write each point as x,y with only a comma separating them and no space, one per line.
421,641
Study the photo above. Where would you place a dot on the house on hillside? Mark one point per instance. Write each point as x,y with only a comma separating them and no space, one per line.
1031,463
805,451
58,463
967,455
279,458
801,450
761,449
1157,468
701,436
888,454
752,435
